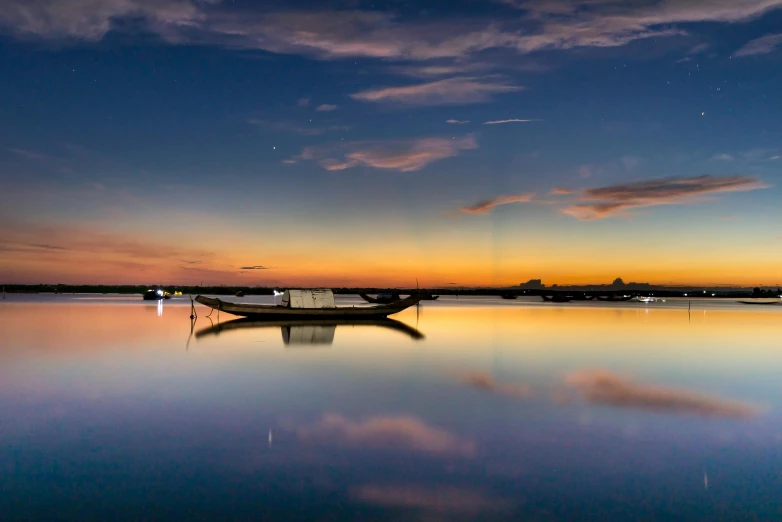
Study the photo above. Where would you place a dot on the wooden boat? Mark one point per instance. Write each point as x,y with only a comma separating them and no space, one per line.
392,297
289,326
614,298
382,298
295,308
557,298
156,295
761,302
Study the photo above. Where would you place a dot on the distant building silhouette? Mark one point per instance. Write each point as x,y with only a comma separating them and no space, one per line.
533,284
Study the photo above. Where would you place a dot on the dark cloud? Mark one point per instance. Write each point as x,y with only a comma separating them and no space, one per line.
603,387
254,267
604,202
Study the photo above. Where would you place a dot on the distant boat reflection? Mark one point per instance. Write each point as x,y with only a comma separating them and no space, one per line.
308,332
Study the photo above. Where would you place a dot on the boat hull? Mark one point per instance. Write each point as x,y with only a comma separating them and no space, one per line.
272,312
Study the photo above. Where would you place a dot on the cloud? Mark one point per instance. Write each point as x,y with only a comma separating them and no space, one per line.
326,108
404,156
442,499
486,382
567,24
698,49
303,102
452,91
602,387
27,154
484,207
763,45
93,19
604,202
254,267
498,122
387,432
336,34
561,191
429,71
723,157
458,122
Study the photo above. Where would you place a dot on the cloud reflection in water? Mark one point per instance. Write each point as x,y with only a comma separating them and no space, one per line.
389,432
603,387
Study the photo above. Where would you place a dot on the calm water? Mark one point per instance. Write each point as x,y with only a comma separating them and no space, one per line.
470,409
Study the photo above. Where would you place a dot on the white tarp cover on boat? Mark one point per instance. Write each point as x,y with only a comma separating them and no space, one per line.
308,299
308,334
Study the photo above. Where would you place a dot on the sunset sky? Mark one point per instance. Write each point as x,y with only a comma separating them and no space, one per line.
375,142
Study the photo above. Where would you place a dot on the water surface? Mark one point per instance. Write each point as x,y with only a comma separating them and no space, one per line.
468,409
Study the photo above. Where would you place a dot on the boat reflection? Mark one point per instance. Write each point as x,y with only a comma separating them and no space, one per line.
308,332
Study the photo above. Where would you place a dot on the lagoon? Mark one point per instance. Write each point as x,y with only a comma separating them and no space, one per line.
464,409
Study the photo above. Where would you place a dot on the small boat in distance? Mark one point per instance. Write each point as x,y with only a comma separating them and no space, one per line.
557,298
382,298
775,302
613,297
649,300
156,295
309,304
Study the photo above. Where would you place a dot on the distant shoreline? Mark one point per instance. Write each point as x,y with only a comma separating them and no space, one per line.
645,290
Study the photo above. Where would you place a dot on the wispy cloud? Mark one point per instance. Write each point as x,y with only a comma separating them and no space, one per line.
333,34
431,71
452,91
698,49
723,157
254,267
484,207
514,120
603,387
404,155
567,24
390,432
561,191
604,202
763,45
28,154
326,108
303,102
458,122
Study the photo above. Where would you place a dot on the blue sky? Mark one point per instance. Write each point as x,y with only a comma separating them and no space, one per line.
366,126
